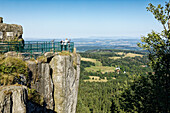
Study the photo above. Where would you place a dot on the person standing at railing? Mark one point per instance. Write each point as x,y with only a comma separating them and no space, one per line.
69,44
61,42
65,44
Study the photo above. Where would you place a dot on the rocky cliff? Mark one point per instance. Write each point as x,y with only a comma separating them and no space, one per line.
56,79
10,32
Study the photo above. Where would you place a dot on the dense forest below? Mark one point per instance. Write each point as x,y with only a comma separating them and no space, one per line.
97,96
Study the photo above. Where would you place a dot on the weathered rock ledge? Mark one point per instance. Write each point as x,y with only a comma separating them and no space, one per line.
13,99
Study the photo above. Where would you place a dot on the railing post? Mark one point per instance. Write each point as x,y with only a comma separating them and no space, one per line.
31,50
53,47
44,46
49,46
37,46
8,46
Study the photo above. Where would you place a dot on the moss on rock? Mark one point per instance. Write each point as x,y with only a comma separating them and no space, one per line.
42,59
64,53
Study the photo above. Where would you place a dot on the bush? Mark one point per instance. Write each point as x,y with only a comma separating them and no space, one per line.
34,96
42,59
10,69
64,53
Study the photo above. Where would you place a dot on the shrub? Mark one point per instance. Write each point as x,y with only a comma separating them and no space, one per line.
42,59
63,53
10,69
36,97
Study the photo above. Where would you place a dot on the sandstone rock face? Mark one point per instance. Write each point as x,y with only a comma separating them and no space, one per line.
57,81
42,81
13,99
66,72
10,32
13,54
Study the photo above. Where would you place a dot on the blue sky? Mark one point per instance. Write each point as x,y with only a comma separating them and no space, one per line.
80,18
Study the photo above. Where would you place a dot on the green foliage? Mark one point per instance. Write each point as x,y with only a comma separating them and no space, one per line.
34,96
158,45
32,59
10,68
64,53
142,96
13,65
161,13
105,97
131,65
42,59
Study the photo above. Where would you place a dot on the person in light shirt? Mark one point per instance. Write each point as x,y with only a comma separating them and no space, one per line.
65,43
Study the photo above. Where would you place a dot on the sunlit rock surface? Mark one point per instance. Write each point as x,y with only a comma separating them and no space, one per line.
13,99
65,75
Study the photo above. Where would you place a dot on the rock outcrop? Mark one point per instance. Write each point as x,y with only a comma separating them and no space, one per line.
56,80
42,82
13,99
65,75
10,32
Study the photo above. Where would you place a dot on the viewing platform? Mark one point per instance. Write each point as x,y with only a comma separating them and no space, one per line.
35,47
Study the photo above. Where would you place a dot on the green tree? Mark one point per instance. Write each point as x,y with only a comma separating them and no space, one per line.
158,45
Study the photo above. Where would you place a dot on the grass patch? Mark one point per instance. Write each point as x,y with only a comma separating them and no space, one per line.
125,55
103,69
64,53
120,53
132,55
114,58
42,59
98,66
97,79
97,63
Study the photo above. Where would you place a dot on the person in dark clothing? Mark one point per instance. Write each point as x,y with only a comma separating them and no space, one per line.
69,44
61,43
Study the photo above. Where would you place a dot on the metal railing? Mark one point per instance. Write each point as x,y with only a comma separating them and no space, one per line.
32,47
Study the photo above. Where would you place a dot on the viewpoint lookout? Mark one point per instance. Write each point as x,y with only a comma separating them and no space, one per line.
34,47
11,40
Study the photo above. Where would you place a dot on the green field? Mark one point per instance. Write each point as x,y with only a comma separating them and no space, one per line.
98,66
97,63
125,55
103,69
